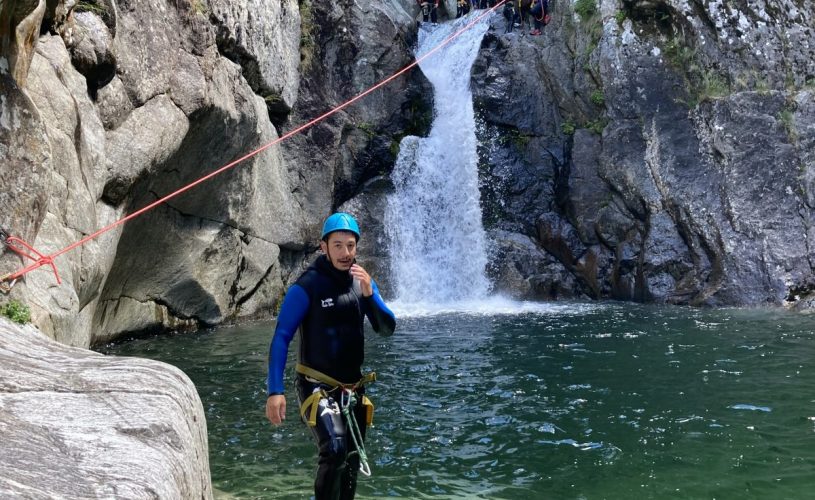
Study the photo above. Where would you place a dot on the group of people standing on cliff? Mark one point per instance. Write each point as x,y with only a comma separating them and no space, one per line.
516,12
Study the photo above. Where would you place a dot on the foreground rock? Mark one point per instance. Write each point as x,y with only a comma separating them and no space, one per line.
76,424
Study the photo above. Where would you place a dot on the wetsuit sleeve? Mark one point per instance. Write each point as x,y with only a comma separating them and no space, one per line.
381,318
292,312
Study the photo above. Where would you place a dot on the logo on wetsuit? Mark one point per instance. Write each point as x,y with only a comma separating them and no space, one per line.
329,302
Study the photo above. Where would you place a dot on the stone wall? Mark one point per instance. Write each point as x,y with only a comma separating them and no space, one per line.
658,150
117,104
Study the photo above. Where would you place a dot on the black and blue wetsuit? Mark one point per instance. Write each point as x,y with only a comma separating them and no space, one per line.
329,310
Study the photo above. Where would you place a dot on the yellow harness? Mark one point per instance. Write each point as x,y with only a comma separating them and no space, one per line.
309,406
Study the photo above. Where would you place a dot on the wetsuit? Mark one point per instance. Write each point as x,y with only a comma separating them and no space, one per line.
328,308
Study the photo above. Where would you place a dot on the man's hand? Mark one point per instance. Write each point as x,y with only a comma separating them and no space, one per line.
364,279
276,408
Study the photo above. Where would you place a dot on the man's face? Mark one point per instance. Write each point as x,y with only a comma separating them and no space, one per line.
341,249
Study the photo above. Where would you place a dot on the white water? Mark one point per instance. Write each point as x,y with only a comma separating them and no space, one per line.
437,241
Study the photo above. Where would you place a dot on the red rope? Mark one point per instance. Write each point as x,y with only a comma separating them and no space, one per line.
48,259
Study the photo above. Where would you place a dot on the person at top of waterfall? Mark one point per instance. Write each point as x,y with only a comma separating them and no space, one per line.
540,14
328,304
429,8
523,13
462,8
509,15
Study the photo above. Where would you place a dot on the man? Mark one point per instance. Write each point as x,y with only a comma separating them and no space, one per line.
328,304
540,14
429,9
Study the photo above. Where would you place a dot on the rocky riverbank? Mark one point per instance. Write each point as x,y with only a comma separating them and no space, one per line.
77,424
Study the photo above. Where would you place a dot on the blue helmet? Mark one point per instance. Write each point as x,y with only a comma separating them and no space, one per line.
340,221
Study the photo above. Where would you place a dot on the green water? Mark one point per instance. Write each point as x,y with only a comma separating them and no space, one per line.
572,401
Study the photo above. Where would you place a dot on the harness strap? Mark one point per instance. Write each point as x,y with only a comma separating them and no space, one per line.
347,401
308,410
330,381
310,406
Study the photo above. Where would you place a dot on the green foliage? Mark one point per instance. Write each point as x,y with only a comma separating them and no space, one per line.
308,35
90,6
789,81
597,126
598,98
16,311
396,146
787,119
679,55
586,9
369,129
620,17
420,117
199,7
741,82
272,98
762,87
714,86
516,137
702,84
568,127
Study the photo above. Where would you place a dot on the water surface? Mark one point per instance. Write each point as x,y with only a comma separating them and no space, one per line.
563,401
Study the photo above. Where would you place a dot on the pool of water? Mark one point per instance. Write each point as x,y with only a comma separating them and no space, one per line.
562,401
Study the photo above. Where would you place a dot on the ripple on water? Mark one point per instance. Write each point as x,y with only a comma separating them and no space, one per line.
749,407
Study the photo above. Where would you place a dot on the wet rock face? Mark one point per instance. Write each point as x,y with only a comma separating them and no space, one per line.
77,424
125,102
24,149
674,144
264,39
343,162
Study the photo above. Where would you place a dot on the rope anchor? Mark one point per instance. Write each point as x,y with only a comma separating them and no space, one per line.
25,251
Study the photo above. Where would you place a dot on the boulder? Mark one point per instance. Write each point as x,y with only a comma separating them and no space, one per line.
77,424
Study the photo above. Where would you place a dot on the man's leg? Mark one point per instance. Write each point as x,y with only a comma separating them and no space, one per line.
330,436
349,478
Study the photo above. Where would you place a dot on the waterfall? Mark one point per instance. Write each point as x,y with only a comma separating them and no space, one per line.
433,219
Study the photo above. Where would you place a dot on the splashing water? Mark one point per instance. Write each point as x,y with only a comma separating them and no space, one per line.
437,240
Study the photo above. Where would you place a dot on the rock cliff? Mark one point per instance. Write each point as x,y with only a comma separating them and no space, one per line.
654,150
657,150
110,105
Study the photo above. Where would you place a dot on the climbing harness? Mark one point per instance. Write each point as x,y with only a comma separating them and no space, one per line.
39,260
349,399
25,251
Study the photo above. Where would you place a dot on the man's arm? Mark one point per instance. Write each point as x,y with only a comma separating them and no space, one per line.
381,318
294,308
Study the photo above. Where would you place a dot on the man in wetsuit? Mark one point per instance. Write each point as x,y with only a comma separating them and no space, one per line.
328,304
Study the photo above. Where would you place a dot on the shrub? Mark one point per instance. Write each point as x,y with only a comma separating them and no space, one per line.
16,311
585,9
308,35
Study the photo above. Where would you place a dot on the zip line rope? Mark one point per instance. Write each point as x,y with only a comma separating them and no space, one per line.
40,260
